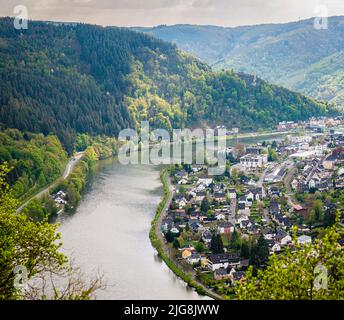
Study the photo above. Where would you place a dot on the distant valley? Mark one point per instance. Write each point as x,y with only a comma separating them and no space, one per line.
99,80
294,55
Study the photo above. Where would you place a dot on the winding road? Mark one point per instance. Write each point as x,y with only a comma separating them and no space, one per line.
69,168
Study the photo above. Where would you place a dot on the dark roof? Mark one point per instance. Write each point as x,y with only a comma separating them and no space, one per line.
225,224
280,234
274,207
224,257
245,179
238,275
207,234
181,173
255,191
195,255
241,206
245,223
222,272
220,195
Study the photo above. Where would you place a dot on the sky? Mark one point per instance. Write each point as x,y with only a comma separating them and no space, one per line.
156,12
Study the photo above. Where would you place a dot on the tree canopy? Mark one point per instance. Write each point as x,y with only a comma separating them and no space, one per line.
31,250
305,272
100,80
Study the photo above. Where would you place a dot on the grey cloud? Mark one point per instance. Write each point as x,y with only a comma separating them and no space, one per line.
153,12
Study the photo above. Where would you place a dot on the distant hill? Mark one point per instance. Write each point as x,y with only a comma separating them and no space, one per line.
294,55
78,78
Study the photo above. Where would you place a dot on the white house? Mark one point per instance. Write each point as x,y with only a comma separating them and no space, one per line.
220,216
251,161
287,239
232,194
223,260
183,181
194,258
225,228
61,194
174,230
206,180
196,168
60,201
181,201
275,248
304,240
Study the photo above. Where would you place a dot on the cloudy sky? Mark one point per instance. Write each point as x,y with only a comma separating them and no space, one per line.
154,12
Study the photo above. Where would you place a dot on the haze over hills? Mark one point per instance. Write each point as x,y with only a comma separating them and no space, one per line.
70,78
295,55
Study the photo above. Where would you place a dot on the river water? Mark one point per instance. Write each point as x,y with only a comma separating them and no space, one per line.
109,233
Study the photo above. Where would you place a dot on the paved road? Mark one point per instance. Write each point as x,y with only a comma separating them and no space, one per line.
262,178
287,183
289,177
69,168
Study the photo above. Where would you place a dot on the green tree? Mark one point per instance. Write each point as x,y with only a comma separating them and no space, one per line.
260,253
33,247
309,272
176,243
216,244
170,236
200,247
235,240
245,250
272,155
205,206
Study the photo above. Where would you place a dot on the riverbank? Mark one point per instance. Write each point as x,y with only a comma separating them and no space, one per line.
159,244
36,194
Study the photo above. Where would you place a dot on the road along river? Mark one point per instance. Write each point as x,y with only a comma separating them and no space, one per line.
109,233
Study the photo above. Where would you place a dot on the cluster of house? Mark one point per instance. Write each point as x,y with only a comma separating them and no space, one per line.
318,124
187,212
248,207
318,173
231,211
60,198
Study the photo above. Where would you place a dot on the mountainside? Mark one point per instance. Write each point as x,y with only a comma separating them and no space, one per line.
295,55
76,78
37,160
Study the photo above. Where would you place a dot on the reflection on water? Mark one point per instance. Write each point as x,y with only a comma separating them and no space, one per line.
110,232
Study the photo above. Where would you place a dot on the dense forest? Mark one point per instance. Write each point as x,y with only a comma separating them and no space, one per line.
295,55
36,160
75,78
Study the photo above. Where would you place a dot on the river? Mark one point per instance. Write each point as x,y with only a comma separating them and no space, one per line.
109,233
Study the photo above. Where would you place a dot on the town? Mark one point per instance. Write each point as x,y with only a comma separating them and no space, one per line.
273,194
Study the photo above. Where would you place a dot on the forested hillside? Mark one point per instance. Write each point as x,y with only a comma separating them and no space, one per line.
295,55
76,78
36,160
